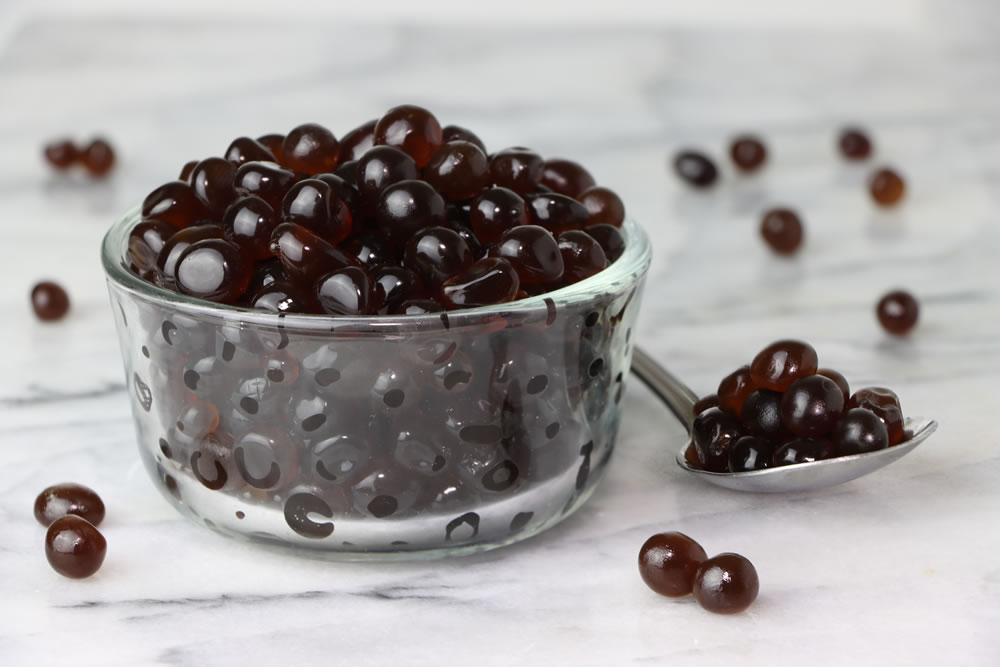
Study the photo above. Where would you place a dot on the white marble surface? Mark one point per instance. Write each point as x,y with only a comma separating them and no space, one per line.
898,568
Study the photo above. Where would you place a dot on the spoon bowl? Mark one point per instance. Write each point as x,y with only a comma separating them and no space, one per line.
782,479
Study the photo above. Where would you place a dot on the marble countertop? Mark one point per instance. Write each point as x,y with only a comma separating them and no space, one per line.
898,568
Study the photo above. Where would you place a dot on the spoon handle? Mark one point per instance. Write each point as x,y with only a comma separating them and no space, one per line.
677,395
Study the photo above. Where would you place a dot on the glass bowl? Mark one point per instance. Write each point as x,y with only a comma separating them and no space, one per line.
394,436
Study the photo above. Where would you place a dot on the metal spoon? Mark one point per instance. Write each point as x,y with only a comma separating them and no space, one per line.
799,477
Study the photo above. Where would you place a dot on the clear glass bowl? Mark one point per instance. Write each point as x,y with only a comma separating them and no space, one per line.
399,436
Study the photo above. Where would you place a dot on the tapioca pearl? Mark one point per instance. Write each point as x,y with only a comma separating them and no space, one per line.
282,368
341,460
400,485
520,520
461,528
195,420
501,477
383,506
212,460
419,453
266,458
297,511
309,412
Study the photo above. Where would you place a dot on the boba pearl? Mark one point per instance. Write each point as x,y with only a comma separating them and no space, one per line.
811,406
348,171
212,181
489,281
885,404
668,562
761,414
356,143
412,129
748,153
734,389
802,450
406,207
750,453
782,230
265,273
273,143
436,254
854,144
61,154
395,285
859,431
566,177
839,378
603,206
457,133
313,204
304,255
886,187
347,291
518,169
145,242
284,296
781,363
49,301
74,548
170,253
714,432
249,223
61,499
898,312
186,170
213,269
609,238
463,229
310,149
97,157
704,403
176,204
557,213
379,168
726,584
533,252
458,170
369,250
695,168
582,256
494,212
245,149
268,180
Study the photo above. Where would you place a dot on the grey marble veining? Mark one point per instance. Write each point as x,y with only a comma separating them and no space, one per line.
897,568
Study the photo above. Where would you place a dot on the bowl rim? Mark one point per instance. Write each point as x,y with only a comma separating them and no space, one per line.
629,268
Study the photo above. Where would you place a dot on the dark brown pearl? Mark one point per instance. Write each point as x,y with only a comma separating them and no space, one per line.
412,129
395,285
704,403
494,212
859,431
310,149
406,207
610,240
284,296
61,499
761,415
733,390
458,133
356,143
726,584
802,450
566,177
97,157
855,144
249,223
748,153
61,154
533,252
713,433
691,456
489,281
811,406
458,170
313,204
306,256
266,272
782,230
518,169
582,256
885,404
186,170
245,149
781,363
74,548
273,143
49,301
603,206
348,171
347,291
379,168
176,204
841,381
750,453
370,251
668,562
465,231
436,254
696,168
268,180
886,187
417,307
170,253
214,270
557,213
145,242
212,182
898,312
